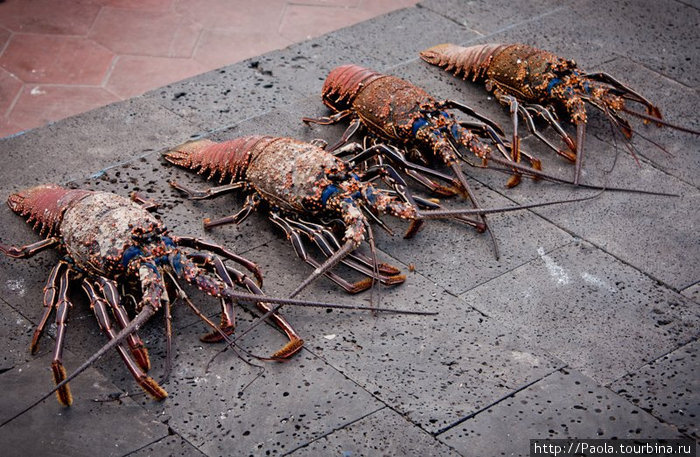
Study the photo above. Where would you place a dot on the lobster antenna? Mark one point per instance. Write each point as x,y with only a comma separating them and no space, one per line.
661,121
439,213
580,136
509,166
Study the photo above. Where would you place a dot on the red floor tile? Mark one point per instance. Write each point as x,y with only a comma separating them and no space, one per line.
56,59
217,48
134,75
38,105
233,14
301,22
136,32
9,88
144,5
60,17
4,38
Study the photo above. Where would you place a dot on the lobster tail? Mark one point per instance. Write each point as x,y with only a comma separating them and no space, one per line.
473,61
344,82
229,159
44,205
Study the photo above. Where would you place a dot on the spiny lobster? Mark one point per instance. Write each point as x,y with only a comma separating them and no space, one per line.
535,82
107,241
396,111
301,182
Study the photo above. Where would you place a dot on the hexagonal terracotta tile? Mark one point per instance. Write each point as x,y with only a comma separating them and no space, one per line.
217,48
233,15
134,75
301,22
151,33
54,59
38,105
56,17
9,88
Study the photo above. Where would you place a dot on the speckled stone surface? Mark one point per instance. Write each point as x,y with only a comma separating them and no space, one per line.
667,388
585,327
565,404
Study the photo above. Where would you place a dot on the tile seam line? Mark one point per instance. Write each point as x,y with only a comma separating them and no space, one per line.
495,402
157,440
333,430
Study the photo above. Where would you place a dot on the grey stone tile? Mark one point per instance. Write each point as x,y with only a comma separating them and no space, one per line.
173,445
663,39
233,408
305,65
226,96
383,433
16,333
87,428
433,369
397,37
678,106
79,146
653,233
595,313
485,17
667,388
692,292
565,404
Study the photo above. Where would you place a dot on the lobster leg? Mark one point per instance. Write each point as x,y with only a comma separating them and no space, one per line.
384,268
62,306
652,110
349,132
452,104
294,237
328,249
328,120
203,194
138,350
99,307
250,204
29,250
295,341
145,202
414,170
228,317
196,243
50,295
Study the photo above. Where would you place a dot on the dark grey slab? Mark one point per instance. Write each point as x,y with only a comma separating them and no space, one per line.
305,65
565,404
595,313
653,233
663,39
226,96
487,17
692,292
173,445
16,334
397,37
677,104
433,369
79,146
383,433
87,428
233,408
667,388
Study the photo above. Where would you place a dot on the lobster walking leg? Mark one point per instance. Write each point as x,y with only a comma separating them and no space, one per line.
138,350
50,297
228,317
62,307
29,250
99,307
197,243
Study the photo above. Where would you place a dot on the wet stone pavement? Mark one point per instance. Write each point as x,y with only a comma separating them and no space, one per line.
587,325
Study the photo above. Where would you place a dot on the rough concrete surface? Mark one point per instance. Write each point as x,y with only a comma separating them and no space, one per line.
586,326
